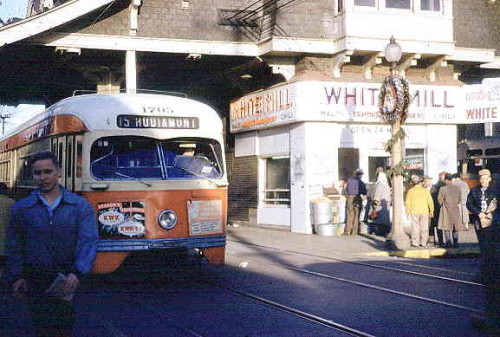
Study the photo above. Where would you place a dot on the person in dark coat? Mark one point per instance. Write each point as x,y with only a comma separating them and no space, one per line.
355,190
482,204
434,231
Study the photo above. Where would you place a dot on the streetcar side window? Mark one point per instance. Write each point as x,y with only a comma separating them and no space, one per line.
474,153
492,152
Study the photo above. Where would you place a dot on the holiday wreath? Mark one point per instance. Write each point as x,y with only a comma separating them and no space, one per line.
394,99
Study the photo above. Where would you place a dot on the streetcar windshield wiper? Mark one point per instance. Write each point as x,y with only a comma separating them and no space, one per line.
133,178
200,176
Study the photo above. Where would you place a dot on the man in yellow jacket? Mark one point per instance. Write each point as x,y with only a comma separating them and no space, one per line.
420,208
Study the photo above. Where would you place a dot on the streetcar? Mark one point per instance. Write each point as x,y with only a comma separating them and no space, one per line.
478,154
151,165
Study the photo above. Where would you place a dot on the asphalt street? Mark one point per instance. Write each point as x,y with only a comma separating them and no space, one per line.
279,289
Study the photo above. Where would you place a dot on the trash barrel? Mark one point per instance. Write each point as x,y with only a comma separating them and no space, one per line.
321,217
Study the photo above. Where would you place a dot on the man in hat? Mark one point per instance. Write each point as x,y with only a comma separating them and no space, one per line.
482,204
355,189
420,208
434,230
427,183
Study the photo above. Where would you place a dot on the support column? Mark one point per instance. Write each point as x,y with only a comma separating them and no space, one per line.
397,237
131,71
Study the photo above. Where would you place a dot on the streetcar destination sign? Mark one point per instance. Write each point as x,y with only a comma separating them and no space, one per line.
157,122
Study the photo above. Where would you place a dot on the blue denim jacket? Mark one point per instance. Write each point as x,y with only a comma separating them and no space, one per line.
65,242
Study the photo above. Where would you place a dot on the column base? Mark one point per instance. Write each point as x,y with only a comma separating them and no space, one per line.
398,241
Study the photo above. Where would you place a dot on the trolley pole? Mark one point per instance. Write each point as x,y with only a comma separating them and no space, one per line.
4,117
393,103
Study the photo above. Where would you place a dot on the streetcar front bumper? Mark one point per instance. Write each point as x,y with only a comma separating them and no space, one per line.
130,245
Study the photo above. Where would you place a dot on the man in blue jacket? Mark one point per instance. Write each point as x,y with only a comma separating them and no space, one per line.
51,233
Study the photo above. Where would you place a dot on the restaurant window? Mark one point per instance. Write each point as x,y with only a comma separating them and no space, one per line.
370,3
430,5
277,191
400,4
414,161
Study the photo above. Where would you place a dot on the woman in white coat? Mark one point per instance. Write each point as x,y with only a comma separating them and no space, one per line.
380,217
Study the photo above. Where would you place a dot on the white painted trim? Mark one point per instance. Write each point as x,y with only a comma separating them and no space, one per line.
131,71
472,55
492,65
106,42
50,19
276,45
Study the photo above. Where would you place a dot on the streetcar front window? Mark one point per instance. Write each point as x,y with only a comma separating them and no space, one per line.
192,159
125,158
138,158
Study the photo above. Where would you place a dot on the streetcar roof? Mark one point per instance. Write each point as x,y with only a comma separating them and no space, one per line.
100,111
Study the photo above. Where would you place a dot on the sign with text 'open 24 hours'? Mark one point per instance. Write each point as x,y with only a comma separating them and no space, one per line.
205,217
122,219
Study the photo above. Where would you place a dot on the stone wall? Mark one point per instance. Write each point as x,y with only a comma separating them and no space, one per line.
477,24
205,20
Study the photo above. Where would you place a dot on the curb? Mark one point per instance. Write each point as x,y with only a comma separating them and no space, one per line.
430,253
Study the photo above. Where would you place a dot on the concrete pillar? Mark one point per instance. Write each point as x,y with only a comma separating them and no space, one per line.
131,71
313,165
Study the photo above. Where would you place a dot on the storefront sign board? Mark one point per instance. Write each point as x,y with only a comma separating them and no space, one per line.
331,101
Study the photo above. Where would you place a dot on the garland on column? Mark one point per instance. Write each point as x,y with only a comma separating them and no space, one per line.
401,134
398,169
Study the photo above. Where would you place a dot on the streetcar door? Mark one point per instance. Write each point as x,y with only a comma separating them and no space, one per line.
78,163
59,149
69,164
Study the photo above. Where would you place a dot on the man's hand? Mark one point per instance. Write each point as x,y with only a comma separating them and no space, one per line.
71,283
19,288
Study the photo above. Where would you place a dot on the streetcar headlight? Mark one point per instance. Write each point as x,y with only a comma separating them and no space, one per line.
167,219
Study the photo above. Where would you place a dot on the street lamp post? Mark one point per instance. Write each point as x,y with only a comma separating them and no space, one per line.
393,105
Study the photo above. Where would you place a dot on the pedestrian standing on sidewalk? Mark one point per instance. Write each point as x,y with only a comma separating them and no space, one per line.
420,209
450,222
355,190
485,216
379,215
464,188
427,183
52,235
434,231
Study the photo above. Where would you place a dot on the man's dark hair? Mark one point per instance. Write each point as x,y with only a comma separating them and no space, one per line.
455,175
43,155
448,176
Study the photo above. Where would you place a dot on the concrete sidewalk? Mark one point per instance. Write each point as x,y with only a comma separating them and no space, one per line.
362,245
